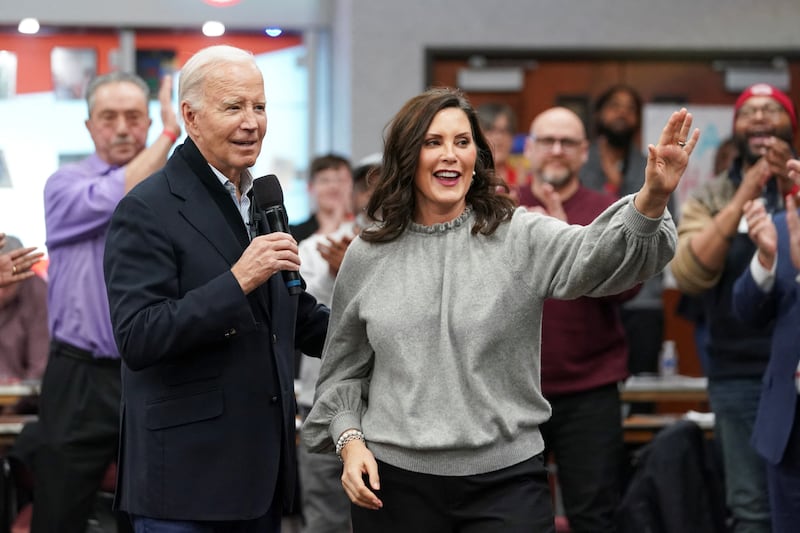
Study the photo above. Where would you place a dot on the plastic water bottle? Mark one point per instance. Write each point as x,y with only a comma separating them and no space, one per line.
668,359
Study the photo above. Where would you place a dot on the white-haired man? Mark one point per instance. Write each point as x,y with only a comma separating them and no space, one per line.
205,325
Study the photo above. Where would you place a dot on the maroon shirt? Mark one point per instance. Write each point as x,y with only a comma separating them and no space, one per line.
583,342
24,336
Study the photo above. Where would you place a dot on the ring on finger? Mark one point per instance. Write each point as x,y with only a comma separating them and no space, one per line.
13,270
681,143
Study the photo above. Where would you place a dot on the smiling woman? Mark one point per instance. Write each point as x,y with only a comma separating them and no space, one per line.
451,140
445,169
453,409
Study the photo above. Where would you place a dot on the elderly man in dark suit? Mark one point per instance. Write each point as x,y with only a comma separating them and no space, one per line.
205,326
769,290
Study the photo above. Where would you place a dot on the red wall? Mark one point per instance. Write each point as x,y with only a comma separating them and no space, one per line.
33,51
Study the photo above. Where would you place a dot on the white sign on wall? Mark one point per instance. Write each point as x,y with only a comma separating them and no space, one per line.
716,125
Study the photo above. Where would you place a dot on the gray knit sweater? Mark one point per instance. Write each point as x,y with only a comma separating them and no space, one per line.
433,343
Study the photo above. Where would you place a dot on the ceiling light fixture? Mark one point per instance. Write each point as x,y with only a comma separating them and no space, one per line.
212,28
29,26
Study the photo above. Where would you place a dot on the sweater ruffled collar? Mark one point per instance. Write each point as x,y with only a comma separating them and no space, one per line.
442,227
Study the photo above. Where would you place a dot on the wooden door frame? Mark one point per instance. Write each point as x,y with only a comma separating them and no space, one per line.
516,55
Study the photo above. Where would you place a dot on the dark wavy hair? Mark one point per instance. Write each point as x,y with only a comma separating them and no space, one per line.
393,203
612,91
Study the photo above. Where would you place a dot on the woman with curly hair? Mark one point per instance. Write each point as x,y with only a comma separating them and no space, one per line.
429,389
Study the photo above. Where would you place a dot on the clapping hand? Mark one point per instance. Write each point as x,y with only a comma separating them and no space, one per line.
551,201
16,265
333,252
762,232
792,218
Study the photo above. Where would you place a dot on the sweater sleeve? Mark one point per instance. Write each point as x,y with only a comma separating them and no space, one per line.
79,203
341,393
690,274
620,248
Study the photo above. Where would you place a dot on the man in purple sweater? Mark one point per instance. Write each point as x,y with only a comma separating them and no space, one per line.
584,352
79,404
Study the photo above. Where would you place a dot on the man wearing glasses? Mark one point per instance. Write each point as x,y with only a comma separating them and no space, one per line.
584,351
713,250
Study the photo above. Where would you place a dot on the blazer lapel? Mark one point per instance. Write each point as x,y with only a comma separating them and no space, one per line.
199,207
208,208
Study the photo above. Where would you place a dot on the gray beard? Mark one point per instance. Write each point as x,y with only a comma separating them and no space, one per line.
557,181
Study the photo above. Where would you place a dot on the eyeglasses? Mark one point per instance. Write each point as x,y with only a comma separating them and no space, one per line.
548,143
769,110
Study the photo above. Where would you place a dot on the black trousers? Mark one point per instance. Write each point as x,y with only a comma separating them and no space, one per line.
585,436
512,500
79,427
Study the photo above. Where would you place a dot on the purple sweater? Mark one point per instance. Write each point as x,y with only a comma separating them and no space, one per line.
583,342
79,200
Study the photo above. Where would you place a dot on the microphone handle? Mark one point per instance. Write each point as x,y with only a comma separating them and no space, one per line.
277,220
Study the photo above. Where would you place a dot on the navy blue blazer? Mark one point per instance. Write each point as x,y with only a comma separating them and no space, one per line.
208,411
778,394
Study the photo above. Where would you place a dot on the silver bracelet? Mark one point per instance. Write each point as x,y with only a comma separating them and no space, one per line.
346,437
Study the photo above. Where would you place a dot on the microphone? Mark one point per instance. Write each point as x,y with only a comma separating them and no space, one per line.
269,216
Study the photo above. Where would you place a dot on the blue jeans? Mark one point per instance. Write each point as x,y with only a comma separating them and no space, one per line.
735,403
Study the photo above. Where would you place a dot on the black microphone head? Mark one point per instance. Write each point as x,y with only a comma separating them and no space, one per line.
267,191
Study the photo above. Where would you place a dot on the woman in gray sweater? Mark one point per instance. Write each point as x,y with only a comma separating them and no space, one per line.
429,389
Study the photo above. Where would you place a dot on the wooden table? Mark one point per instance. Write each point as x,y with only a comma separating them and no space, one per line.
10,427
664,389
11,393
641,428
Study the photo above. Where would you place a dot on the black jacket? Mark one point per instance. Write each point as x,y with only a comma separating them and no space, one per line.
676,488
208,408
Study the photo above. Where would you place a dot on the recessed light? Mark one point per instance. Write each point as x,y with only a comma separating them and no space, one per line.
29,26
212,28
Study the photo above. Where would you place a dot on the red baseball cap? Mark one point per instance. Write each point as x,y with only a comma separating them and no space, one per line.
764,89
